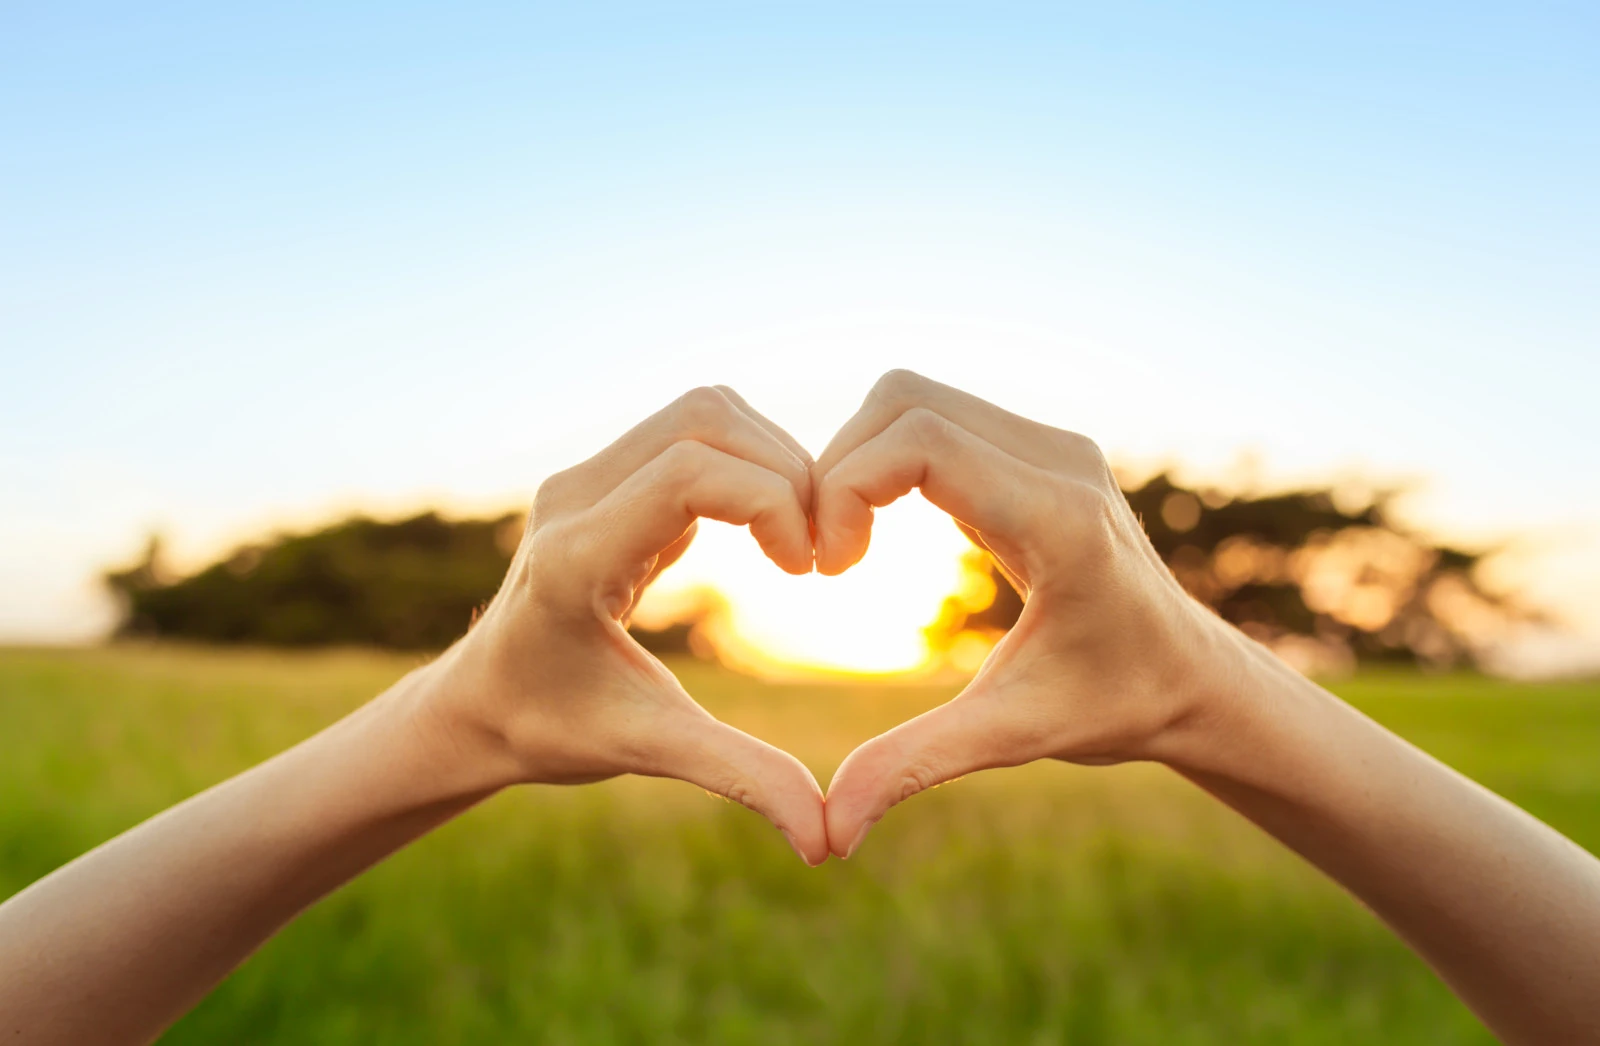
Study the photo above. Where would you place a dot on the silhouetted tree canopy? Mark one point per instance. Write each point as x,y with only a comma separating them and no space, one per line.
1294,570
415,584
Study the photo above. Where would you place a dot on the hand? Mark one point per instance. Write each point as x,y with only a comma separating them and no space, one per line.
559,692
1110,660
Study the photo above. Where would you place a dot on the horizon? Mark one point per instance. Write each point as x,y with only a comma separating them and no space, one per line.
262,266
873,622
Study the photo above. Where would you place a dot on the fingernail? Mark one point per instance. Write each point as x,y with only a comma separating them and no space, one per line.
796,848
859,836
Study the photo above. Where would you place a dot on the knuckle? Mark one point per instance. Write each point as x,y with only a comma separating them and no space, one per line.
558,561
898,388
741,791
1084,455
925,426
1092,512
775,489
702,410
1079,444
683,461
899,770
731,783
553,496
918,777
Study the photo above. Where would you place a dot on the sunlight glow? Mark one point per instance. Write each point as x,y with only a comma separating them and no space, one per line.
868,620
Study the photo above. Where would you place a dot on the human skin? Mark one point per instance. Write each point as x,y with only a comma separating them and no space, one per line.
547,687
1112,661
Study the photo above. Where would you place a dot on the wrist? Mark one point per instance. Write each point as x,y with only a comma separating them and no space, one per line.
450,707
1233,689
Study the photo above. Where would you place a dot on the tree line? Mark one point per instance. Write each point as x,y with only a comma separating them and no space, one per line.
1296,567
1328,583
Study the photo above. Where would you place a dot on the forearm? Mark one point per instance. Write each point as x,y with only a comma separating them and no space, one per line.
1502,906
1111,660
116,945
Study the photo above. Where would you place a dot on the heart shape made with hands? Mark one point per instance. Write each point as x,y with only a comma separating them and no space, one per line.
1084,674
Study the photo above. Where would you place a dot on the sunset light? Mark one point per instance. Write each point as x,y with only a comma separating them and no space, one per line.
867,620
377,383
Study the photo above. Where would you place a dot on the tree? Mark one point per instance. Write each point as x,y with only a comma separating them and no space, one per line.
1322,583
415,584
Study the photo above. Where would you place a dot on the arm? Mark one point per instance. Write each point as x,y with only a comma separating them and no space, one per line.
548,687
1504,907
116,945
1112,661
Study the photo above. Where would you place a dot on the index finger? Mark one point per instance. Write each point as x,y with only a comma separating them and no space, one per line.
976,482
778,432
706,415
653,508
898,391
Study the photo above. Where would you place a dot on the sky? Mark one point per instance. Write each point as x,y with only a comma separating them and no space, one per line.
262,267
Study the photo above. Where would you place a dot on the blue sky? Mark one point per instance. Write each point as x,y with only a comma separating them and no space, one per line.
260,266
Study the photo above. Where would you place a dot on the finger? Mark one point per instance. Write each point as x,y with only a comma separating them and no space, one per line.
670,555
768,780
1029,441
704,415
937,746
651,510
777,431
974,481
1010,571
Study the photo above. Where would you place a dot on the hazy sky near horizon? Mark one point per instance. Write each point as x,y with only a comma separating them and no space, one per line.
261,266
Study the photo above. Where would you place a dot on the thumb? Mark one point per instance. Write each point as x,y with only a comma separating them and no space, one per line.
938,746
731,763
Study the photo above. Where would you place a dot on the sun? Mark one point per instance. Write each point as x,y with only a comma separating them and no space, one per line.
868,620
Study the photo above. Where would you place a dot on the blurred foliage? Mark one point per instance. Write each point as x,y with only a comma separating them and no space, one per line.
415,584
1324,576
1327,579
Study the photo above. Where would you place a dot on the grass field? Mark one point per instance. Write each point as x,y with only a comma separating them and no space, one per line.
1046,904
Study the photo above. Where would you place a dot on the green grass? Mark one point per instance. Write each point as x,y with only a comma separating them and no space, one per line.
1046,904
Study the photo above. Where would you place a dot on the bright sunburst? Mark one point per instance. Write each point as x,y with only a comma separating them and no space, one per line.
869,619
